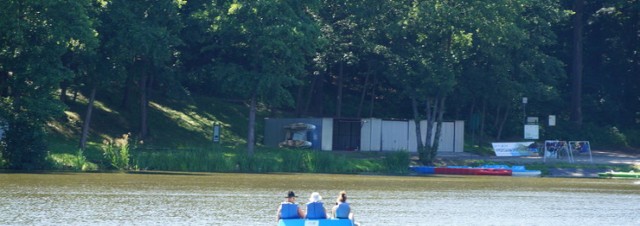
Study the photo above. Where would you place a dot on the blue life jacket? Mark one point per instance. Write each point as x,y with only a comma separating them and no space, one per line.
315,210
289,211
343,210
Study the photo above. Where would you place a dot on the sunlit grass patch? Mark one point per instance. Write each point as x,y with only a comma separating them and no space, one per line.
66,161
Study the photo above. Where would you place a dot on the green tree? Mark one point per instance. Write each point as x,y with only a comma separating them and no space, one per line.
34,37
427,45
510,60
140,38
261,48
612,63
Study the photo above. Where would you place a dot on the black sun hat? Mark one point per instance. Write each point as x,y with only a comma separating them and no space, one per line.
290,194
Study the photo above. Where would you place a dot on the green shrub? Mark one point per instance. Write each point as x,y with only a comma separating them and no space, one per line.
292,160
116,152
25,146
397,161
633,138
617,138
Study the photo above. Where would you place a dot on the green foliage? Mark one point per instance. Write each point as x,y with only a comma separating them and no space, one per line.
598,136
482,56
65,161
34,37
198,160
25,146
615,137
261,46
633,138
294,160
116,152
3,162
263,161
397,162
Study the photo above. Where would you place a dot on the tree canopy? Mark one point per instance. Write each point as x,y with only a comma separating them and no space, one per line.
428,60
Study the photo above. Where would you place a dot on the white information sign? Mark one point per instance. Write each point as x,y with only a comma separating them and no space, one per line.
531,132
552,120
514,149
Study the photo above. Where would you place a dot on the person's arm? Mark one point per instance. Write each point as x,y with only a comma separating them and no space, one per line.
333,211
278,213
301,213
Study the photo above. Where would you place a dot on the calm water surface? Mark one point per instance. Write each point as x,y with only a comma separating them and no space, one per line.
252,199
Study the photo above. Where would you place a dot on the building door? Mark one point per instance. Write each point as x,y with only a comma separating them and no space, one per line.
346,134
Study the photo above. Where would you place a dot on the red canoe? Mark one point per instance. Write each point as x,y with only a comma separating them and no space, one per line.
472,171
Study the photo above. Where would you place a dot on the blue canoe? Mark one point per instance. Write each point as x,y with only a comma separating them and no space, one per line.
320,222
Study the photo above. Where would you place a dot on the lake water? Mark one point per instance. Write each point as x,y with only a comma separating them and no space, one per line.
252,199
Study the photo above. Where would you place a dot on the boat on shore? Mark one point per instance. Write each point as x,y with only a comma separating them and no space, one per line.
516,171
494,170
318,222
460,170
621,175
467,170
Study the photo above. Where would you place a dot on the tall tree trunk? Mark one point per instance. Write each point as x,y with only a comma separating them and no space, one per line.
310,94
483,117
251,135
472,122
417,119
319,95
63,91
144,102
496,122
503,120
339,96
87,118
373,95
577,65
75,95
299,104
434,111
436,140
124,103
363,94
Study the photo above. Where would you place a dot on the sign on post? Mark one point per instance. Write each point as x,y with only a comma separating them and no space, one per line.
531,132
216,133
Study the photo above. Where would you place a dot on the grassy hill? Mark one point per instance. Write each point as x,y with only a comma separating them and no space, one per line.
181,140
172,124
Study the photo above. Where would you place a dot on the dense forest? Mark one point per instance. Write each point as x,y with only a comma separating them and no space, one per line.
431,60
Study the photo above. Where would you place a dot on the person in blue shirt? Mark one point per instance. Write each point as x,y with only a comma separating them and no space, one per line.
315,208
289,209
342,210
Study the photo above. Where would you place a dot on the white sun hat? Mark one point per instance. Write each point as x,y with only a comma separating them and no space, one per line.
315,197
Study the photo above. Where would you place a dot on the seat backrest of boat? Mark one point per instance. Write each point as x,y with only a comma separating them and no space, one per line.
289,211
319,222
343,210
315,210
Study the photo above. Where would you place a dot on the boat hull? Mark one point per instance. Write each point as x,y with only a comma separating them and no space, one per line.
460,170
473,171
497,170
319,222
630,175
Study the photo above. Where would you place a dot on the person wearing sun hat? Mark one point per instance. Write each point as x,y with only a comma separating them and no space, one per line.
315,208
289,209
